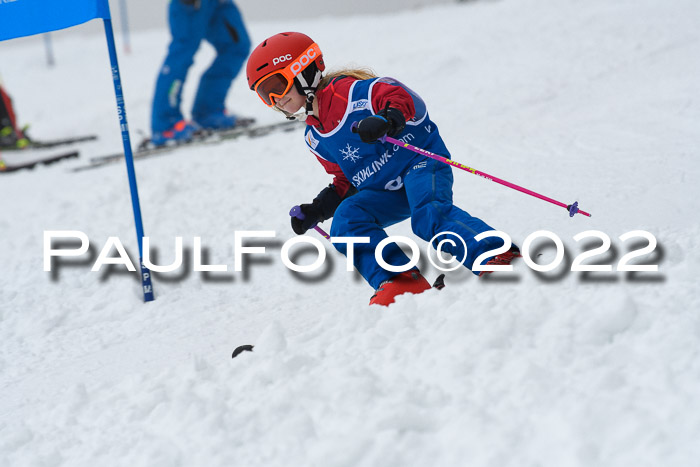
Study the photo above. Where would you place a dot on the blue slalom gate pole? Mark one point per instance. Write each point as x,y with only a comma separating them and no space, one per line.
129,158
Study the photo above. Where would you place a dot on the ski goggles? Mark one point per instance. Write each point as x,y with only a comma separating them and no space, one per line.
277,84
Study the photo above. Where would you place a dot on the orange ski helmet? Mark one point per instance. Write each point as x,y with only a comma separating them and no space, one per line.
283,60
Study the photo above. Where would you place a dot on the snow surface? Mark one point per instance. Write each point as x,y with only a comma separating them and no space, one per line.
597,101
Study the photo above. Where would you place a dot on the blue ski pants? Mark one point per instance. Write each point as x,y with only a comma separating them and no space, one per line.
426,197
217,21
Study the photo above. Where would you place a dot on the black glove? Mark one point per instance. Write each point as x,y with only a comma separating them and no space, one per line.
388,121
322,208
312,217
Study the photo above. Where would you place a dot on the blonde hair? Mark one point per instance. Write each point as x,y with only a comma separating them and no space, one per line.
357,73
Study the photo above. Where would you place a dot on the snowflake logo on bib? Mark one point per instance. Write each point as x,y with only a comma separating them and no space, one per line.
351,153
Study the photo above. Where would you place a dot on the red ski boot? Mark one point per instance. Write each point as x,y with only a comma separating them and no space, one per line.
503,259
406,282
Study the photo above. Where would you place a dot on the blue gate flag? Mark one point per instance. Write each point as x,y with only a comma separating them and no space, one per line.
19,18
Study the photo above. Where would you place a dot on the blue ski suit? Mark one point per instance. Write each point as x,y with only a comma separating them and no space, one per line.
220,23
393,184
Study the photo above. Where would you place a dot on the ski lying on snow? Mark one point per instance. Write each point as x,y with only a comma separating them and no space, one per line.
51,143
11,167
146,148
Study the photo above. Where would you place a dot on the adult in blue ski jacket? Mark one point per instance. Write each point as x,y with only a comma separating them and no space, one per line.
375,184
220,23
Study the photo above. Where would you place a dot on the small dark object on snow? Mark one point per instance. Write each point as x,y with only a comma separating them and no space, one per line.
439,282
242,348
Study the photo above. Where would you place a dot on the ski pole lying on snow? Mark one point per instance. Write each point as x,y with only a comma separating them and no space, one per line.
299,214
572,208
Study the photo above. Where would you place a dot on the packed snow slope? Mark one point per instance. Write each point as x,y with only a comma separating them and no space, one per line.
593,101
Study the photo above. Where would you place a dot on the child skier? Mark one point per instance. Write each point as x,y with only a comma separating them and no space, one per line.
375,185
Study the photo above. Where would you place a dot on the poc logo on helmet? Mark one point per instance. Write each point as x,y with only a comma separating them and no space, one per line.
282,58
303,61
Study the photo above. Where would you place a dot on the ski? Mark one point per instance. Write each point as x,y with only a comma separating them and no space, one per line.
6,167
146,148
51,143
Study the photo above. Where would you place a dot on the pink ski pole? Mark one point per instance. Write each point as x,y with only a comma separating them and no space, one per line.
299,214
572,208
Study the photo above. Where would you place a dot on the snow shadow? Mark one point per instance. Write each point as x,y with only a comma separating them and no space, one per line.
58,263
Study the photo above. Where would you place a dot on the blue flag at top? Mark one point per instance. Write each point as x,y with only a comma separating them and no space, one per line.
19,18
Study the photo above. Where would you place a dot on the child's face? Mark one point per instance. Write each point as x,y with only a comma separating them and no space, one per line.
291,102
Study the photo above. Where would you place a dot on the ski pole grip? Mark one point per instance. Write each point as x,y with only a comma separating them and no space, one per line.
297,212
